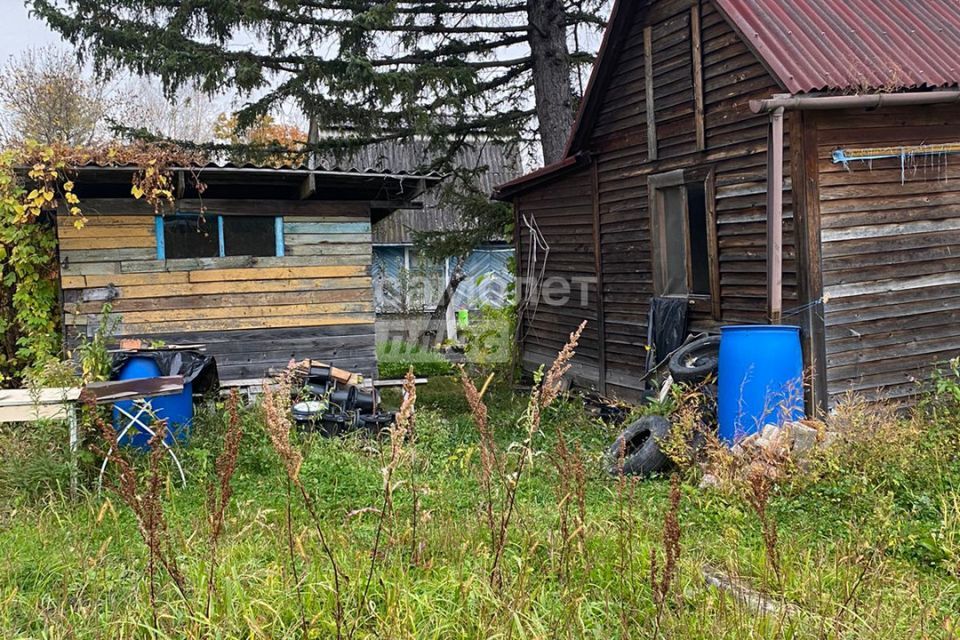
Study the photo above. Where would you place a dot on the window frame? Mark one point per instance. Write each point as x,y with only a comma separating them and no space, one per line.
656,184
278,251
408,251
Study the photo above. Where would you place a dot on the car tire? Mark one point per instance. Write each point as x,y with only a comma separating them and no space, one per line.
639,446
695,361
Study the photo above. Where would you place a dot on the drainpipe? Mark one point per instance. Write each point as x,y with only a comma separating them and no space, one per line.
775,106
775,217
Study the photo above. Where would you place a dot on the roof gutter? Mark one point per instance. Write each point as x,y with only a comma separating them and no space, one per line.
869,101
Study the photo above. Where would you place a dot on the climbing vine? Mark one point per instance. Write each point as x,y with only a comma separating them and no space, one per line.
37,182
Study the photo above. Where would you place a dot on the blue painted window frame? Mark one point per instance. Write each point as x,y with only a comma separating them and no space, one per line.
162,249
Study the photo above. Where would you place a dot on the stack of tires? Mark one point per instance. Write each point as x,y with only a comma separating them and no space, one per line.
637,450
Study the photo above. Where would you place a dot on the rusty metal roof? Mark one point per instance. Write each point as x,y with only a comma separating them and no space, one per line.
852,45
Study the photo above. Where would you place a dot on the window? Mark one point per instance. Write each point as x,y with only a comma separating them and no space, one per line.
684,233
405,280
190,235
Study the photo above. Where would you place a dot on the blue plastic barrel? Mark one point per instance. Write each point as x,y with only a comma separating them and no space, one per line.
760,378
176,409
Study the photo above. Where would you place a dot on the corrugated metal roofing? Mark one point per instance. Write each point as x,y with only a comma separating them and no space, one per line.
349,167
852,45
502,163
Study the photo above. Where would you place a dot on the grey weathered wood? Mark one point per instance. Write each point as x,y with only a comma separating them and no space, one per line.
650,103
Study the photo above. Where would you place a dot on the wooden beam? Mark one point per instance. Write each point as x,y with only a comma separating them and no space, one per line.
697,52
775,217
804,172
713,244
651,111
396,204
598,270
308,187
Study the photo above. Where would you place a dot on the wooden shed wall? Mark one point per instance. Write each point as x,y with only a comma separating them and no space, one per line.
252,313
891,250
563,218
735,148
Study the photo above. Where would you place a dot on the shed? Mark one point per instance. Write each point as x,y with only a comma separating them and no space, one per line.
851,107
265,265
407,287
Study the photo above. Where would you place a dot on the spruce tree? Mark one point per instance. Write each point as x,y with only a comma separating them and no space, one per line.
449,70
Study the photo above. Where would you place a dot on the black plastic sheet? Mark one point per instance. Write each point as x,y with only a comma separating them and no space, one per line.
195,366
668,327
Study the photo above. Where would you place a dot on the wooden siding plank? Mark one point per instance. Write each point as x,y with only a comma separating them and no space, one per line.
650,103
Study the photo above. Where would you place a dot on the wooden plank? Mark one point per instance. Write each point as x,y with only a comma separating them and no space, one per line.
326,238
229,314
108,255
598,271
314,296
291,228
132,279
129,241
246,286
107,231
276,273
28,405
147,329
96,220
805,173
697,63
650,104
130,207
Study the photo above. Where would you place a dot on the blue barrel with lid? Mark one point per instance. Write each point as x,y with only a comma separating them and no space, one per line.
176,409
760,378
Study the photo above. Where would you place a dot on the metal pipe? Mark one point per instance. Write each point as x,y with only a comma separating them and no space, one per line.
775,216
870,101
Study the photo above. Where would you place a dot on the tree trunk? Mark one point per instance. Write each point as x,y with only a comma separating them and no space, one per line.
428,337
551,75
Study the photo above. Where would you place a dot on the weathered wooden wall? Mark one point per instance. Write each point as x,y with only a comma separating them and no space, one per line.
727,138
565,274
891,250
253,313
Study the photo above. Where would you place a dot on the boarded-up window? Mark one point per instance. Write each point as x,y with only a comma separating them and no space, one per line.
684,234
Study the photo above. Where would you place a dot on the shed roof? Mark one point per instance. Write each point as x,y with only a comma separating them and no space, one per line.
843,46
386,189
501,163
852,45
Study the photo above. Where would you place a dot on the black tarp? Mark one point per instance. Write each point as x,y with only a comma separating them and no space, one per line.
668,328
196,367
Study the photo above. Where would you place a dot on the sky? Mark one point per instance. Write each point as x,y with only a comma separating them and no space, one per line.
18,31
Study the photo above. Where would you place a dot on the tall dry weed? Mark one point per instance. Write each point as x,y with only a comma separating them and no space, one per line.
500,501
276,404
403,427
663,577
221,490
146,505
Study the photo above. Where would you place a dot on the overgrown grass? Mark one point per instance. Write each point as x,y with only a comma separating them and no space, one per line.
869,539
394,358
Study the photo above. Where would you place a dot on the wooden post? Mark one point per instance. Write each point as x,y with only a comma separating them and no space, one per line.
697,52
775,217
598,271
651,111
804,171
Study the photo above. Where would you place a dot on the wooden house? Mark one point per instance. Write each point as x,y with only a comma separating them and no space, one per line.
850,107
268,264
